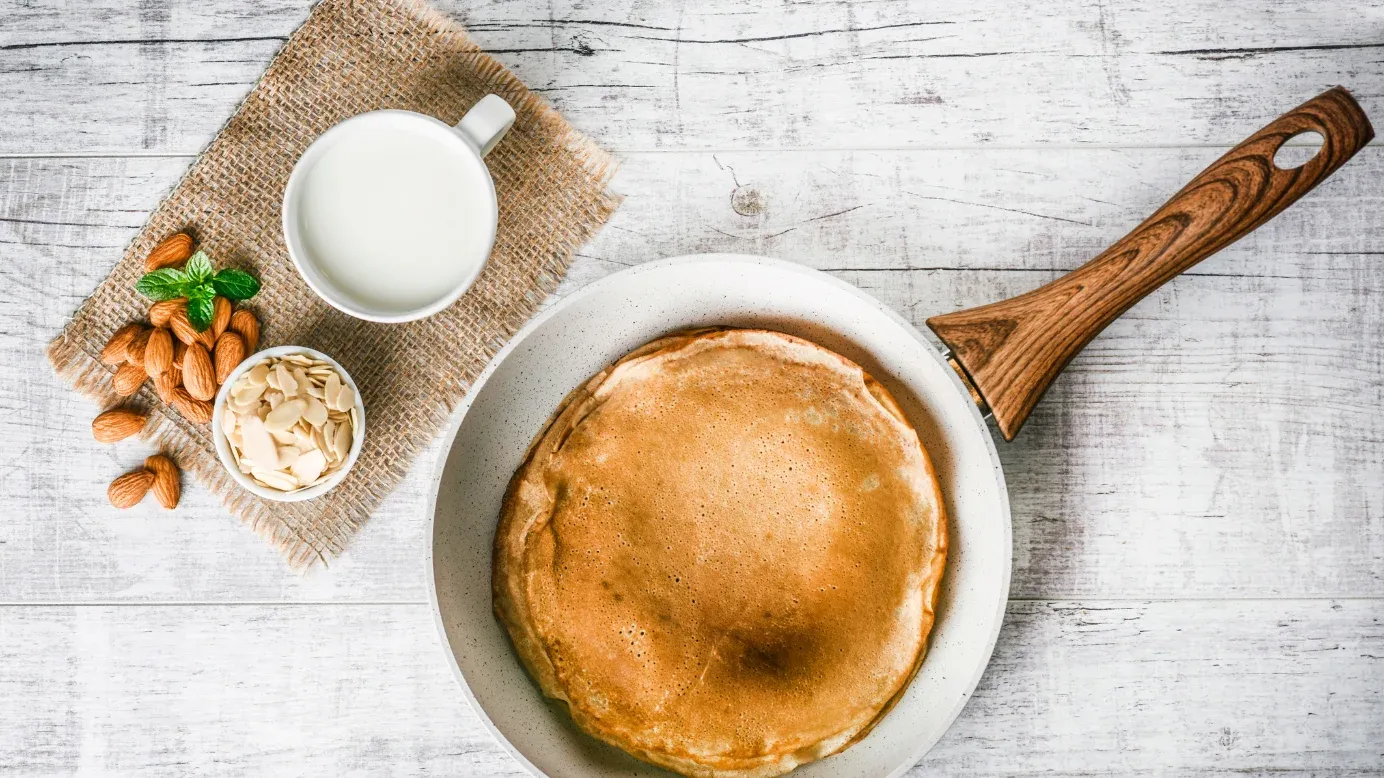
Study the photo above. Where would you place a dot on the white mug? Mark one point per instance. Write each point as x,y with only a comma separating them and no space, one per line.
390,216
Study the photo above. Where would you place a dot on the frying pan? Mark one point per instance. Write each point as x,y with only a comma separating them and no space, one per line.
1002,358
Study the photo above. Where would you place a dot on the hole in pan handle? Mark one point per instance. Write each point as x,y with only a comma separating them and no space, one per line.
1011,351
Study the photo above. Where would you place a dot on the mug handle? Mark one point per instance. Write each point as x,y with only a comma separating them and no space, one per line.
486,123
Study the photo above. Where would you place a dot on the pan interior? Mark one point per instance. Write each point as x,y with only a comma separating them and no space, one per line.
589,330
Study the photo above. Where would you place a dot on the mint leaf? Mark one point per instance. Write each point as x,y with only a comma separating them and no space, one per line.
203,291
199,267
163,284
235,284
200,311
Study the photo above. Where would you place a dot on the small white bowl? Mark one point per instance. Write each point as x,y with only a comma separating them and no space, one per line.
223,446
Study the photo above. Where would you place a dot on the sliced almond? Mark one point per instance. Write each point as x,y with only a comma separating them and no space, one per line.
341,444
287,384
259,374
282,418
331,389
329,435
259,446
314,412
288,456
246,393
302,438
345,399
228,422
274,479
308,466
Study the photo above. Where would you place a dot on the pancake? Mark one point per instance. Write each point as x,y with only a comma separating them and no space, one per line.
723,553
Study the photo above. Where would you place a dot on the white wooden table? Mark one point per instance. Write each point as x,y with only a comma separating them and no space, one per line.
1198,504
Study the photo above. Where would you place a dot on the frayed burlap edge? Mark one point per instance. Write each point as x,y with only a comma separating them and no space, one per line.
81,368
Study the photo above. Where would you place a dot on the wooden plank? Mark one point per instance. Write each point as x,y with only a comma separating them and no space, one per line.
722,74
1224,438
1182,687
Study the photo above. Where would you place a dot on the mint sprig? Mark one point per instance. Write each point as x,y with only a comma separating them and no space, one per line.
162,284
235,284
200,283
200,311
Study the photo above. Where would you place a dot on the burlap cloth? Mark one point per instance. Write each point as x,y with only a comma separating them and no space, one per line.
347,58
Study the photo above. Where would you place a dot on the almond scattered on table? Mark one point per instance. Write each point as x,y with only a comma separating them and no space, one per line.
166,382
117,424
128,378
158,352
161,312
198,375
114,352
229,353
194,317
182,327
192,409
220,317
165,484
134,350
244,324
290,422
127,490
172,252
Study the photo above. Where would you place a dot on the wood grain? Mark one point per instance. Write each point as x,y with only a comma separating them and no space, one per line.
363,689
1140,476
162,76
1010,351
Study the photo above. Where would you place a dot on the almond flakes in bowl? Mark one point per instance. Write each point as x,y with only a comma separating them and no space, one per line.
290,422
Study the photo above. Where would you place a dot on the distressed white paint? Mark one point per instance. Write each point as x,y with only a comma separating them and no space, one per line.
1187,500
157,76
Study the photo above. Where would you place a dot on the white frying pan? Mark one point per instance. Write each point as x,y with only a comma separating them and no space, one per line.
1003,358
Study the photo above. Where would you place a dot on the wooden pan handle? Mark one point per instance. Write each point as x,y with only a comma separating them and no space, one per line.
1013,349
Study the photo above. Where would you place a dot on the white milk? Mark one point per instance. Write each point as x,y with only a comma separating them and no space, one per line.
394,216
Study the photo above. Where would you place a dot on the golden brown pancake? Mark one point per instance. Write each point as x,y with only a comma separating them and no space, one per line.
723,553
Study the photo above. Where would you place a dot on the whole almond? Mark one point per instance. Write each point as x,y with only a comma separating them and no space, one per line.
165,486
221,316
173,251
117,424
129,489
158,352
244,324
114,352
161,312
207,340
192,409
230,351
128,378
198,375
182,328
166,382
134,350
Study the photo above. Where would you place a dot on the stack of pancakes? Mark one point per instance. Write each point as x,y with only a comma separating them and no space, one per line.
723,553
